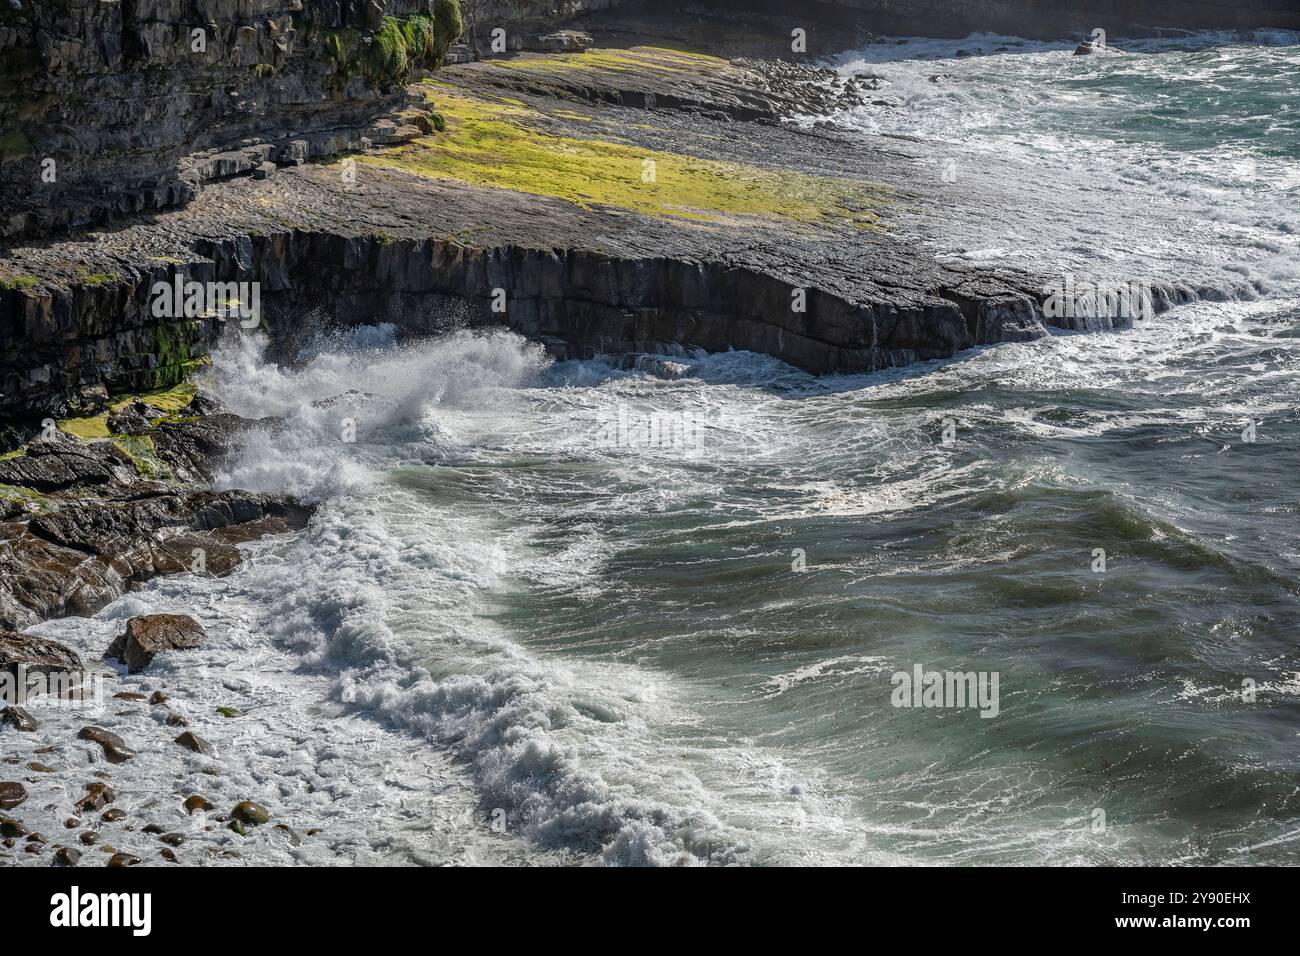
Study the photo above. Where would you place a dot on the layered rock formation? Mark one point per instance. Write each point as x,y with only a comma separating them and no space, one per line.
83,521
109,108
609,201
112,108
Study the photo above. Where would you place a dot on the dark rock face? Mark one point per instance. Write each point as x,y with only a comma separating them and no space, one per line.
137,103
77,559
63,462
11,795
135,418
36,654
146,637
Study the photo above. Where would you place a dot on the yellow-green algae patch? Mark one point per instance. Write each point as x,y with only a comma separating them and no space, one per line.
27,499
143,454
169,400
493,144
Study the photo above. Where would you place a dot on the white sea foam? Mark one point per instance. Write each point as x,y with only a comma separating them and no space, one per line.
390,589
1133,165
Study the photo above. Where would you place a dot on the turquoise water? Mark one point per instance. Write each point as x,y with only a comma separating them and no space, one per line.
669,634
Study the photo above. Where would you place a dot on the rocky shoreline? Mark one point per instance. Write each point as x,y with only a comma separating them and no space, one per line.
630,201
638,199
84,522
94,813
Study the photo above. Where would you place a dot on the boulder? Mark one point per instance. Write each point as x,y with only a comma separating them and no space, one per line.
97,796
197,802
192,741
12,794
18,718
114,747
146,637
37,655
250,813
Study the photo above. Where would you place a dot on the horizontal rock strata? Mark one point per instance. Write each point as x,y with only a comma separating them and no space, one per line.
378,240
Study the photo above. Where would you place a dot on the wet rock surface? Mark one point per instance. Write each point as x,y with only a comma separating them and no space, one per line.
114,747
35,655
19,719
146,637
96,519
12,794
97,796
192,741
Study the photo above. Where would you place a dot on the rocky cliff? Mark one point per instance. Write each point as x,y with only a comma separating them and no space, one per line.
127,106
617,202
113,107
524,177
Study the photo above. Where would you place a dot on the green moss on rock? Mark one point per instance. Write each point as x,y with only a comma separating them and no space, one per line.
14,144
388,64
143,454
170,400
96,278
27,499
496,144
